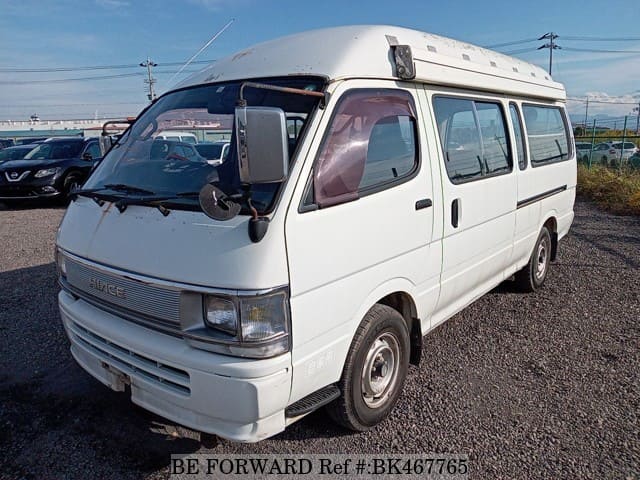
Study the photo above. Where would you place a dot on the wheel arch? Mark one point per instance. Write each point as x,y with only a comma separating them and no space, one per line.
551,223
397,294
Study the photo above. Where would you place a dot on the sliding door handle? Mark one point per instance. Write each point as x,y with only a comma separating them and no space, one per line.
424,203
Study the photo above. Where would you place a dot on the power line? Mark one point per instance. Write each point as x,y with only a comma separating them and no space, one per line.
516,42
592,50
602,39
86,79
522,50
94,67
575,99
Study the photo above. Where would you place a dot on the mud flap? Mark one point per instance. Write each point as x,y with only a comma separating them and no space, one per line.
416,342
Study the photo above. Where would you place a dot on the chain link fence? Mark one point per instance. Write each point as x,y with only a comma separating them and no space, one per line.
612,143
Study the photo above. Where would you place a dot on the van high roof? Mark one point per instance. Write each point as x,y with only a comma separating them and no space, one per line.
364,51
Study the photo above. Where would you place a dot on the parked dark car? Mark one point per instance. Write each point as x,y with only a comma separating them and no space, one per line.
52,169
30,140
6,142
15,153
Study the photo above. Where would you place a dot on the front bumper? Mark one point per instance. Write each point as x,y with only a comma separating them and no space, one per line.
238,399
30,189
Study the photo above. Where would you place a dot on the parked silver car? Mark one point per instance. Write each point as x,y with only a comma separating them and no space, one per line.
610,153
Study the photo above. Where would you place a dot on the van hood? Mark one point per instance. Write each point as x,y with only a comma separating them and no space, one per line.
186,247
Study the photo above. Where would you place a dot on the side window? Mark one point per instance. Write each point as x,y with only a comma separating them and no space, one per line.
517,130
547,134
94,150
370,144
473,137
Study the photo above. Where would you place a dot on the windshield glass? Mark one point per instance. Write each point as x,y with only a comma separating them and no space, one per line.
55,151
168,167
211,151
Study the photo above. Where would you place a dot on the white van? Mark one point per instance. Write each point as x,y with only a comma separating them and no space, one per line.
185,137
305,270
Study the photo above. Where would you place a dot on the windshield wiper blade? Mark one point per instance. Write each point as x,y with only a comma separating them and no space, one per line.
121,187
154,201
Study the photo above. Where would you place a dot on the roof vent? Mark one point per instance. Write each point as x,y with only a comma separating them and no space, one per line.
533,74
431,48
494,64
515,69
465,56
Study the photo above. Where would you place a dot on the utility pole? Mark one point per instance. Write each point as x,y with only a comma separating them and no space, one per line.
149,64
586,114
551,45
637,109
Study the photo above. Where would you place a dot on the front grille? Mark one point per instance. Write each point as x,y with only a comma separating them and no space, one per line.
124,292
132,363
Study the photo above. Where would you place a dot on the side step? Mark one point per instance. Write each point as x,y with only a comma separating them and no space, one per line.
312,402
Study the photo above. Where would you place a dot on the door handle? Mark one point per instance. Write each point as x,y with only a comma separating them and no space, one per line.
424,203
456,208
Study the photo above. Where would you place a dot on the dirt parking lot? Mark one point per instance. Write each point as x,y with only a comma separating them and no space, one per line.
529,386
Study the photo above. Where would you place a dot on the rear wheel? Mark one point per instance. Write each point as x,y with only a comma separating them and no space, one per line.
533,275
374,372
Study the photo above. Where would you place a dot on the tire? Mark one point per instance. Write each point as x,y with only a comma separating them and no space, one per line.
379,349
533,275
71,181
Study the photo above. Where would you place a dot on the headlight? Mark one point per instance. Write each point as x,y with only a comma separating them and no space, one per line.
220,313
259,324
263,317
46,172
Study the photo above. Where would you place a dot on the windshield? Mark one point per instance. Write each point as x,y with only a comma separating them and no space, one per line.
211,151
167,167
13,154
55,151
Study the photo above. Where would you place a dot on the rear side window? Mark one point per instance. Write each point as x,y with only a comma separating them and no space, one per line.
473,137
370,145
517,130
547,134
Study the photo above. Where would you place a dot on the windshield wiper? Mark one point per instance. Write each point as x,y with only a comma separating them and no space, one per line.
154,201
121,187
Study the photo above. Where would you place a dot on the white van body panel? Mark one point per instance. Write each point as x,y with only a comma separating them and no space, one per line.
185,247
355,254
337,262
361,51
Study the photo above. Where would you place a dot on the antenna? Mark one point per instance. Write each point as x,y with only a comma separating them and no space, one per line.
193,57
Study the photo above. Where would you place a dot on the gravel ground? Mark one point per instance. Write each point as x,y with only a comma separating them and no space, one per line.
529,386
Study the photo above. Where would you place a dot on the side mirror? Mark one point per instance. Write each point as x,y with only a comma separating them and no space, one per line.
87,156
262,142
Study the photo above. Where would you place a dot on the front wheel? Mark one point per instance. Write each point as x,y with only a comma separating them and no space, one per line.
71,182
374,372
533,275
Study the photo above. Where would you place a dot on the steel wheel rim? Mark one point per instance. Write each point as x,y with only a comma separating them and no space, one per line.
541,263
380,370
